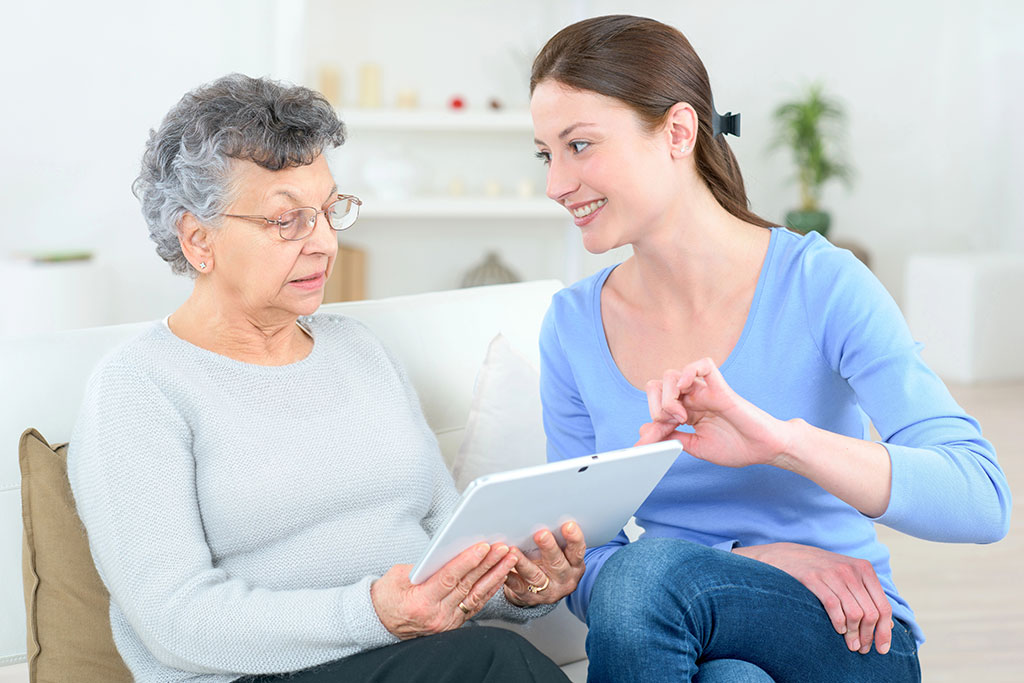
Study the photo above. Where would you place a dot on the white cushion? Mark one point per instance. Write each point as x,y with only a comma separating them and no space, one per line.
441,338
504,430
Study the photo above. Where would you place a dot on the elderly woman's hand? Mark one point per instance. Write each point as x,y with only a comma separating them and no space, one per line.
552,574
447,599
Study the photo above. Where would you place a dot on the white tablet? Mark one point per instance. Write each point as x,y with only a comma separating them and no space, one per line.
600,492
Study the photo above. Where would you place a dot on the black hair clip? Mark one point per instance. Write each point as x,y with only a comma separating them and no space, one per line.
724,124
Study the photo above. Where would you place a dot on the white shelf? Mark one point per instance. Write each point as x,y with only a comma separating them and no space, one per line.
462,207
509,121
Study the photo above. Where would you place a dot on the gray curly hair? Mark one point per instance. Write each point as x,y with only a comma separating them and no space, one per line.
187,163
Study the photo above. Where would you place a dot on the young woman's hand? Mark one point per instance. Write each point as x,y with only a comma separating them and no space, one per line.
731,431
847,587
551,575
447,599
728,429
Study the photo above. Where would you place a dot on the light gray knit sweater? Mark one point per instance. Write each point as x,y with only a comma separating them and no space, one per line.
238,513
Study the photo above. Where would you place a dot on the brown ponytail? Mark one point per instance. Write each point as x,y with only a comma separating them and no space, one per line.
649,66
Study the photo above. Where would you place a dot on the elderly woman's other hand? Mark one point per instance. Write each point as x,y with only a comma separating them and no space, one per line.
447,599
551,575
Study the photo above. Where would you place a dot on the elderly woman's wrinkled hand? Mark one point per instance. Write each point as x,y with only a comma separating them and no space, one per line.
447,599
552,574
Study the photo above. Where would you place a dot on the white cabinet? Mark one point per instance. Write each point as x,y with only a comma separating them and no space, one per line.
54,296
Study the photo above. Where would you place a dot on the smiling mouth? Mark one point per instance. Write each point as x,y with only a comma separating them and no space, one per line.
588,209
315,276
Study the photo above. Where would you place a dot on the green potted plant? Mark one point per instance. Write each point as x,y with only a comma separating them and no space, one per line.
810,127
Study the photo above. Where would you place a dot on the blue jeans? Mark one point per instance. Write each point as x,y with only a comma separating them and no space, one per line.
661,609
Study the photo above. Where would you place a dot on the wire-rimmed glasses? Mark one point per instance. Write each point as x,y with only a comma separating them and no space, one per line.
298,224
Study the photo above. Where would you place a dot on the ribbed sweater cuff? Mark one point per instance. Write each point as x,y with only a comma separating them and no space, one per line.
499,607
360,618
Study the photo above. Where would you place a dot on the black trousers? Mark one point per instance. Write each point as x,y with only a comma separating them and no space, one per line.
481,654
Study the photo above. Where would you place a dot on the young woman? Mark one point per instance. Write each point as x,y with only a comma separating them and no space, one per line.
765,353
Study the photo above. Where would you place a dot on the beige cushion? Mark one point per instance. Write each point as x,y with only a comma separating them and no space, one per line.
66,605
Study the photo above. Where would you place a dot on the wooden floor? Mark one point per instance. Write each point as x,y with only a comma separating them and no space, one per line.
969,599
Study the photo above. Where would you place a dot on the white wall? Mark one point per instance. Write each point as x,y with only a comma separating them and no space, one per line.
83,84
934,91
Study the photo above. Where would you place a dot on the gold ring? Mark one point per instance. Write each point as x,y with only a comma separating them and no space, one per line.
538,589
462,606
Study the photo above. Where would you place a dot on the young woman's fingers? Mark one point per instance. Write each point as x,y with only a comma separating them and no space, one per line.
689,374
653,432
670,403
883,626
883,635
868,621
705,368
689,442
655,404
874,609
831,602
851,605
701,374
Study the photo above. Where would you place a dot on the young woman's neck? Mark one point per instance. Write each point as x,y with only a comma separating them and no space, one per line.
689,258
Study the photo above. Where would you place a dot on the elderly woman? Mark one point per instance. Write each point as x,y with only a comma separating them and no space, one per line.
255,477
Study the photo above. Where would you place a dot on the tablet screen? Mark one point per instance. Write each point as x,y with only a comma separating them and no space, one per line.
600,492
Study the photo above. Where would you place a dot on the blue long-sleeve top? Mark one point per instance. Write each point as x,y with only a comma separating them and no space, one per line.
825,342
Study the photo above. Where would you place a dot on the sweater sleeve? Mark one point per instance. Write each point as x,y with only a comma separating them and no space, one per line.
570,434
133,476
946,482
444,495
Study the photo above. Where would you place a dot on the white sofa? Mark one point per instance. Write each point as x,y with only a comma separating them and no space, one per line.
440,337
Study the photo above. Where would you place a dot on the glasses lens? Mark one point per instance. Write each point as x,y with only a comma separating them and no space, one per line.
343,213
297,223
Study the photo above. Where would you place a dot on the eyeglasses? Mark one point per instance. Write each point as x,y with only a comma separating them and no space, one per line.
298,224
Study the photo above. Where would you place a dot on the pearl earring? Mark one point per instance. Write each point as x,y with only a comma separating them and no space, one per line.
684,149
202,266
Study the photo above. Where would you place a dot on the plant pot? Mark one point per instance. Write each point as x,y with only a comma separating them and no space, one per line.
806,221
